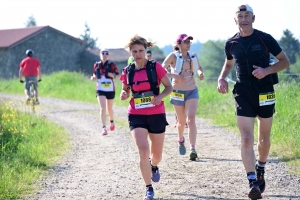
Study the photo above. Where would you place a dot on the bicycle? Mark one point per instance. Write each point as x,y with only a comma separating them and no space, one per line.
31,101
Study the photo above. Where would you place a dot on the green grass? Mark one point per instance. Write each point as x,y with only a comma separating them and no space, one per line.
29,145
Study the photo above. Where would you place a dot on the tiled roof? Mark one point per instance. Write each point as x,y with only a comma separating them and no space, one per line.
11,36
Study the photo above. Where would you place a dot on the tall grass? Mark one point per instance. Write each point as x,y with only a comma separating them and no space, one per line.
212,105
28,146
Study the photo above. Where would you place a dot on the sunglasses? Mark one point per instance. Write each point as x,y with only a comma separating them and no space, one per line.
187,42
104,53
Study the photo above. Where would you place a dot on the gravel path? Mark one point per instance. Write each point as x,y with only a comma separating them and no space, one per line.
106,167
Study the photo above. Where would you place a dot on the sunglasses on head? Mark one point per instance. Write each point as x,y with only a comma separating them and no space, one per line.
104,53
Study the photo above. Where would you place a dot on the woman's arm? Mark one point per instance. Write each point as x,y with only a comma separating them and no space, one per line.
125,92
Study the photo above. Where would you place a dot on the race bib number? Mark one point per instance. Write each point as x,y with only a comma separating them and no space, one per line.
267,98
143,100
106,84
177,95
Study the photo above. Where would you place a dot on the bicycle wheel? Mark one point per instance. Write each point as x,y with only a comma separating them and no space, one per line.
31,90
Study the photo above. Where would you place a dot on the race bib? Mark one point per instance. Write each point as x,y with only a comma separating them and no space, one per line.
143,100
177,95
267,98
105,85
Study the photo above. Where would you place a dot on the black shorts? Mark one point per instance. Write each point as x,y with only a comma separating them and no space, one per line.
247,99
108,95
153,123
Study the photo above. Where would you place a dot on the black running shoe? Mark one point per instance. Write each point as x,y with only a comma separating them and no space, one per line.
254,192
260,171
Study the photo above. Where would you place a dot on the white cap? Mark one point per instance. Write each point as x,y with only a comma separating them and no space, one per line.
104,49
247,8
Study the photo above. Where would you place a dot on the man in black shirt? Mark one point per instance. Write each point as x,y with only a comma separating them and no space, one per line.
254,94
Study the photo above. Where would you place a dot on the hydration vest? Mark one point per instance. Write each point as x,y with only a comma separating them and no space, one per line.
151,75
179,63
107,68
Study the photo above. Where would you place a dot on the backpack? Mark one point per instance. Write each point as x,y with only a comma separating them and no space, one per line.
107,69
151,74
179,62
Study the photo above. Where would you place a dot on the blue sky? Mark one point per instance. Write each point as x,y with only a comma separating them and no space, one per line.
114,22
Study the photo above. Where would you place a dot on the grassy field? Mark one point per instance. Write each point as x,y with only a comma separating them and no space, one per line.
214,106
29,145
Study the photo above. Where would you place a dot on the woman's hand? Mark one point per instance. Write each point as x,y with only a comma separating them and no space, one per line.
124,95
156,100
201,75
111,75
93,77
178,78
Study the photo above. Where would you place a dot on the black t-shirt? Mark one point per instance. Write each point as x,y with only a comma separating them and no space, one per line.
251,50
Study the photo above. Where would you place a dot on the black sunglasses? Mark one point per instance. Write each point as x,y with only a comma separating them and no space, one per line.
104,53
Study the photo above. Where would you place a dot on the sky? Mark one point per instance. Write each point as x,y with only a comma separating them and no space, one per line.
114,22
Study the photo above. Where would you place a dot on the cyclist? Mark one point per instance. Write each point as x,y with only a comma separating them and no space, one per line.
146,118
30,68
250,50
104,72
184,67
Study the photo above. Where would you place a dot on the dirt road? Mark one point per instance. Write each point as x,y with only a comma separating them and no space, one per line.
106,167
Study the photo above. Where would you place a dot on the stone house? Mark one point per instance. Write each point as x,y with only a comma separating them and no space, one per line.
56,50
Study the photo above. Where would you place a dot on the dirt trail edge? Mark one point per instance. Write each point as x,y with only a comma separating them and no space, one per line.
106,167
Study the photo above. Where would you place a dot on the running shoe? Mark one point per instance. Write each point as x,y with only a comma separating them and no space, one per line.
254,192
112,127
181,147
104,131
149,195
155,175
260,171
193,155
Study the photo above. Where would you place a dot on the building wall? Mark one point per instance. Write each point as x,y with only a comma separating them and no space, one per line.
56,51
5,70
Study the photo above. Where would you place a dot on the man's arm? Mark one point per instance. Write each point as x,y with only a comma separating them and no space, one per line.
21,73
283,63
40,73
222,83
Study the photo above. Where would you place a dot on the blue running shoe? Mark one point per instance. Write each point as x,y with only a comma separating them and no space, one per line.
193,155
181,147
149,195
155,175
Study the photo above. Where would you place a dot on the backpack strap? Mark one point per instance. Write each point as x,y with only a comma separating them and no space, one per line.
97,71
152,76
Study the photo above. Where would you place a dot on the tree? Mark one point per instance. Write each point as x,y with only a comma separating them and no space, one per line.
30,22
212,58
90,42
290,45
